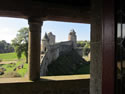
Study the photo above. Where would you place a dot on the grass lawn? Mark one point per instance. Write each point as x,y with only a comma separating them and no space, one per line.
10,57
6,57
85,69
23,71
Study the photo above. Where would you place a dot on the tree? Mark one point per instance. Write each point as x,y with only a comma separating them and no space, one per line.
86,51
20,43
85,45
5,47
81,43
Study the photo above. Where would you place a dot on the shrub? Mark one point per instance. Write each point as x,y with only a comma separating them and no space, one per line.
1,71
0,60
11,65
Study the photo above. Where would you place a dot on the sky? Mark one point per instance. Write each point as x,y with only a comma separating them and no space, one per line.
10,26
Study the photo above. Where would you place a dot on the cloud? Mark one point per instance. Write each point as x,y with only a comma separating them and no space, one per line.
7,34
10,26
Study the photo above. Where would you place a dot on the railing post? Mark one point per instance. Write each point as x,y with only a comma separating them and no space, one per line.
34,48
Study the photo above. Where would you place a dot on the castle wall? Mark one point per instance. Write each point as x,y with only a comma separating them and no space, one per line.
53,53
44,46
79,51
51,39
50,56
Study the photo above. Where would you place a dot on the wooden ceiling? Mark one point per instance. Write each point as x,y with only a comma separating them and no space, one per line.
59,10
67,2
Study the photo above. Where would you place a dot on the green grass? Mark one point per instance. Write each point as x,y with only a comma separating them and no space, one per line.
23,71
10,67
84,69
10,57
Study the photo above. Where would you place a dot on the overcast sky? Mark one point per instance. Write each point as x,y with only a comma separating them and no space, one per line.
10,26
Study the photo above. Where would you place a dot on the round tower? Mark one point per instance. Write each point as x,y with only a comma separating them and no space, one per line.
51,38
72,37
45,43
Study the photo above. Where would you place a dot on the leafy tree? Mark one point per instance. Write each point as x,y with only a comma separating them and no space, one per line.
20,43
5,47
81,44
85,45
86,51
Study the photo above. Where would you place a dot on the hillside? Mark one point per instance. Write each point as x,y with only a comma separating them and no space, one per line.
68,64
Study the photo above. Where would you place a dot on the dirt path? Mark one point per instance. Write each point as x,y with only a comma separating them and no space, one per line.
7,62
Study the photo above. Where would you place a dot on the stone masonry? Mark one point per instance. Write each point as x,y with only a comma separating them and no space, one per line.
50,50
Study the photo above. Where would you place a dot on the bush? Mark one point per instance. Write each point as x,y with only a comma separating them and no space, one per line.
1,71
11,75
86,51
0,60
11,65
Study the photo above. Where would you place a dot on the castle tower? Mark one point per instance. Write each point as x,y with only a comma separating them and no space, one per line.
72,37
51,38
45,43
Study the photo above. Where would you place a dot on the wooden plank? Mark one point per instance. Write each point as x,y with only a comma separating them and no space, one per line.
108,62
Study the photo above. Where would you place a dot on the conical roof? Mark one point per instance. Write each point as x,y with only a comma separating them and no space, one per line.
45,37
72,31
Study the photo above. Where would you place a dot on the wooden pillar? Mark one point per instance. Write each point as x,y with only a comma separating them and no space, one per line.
102,47
34,48
108,63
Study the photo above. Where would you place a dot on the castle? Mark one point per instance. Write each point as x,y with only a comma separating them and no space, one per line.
49,40
50,50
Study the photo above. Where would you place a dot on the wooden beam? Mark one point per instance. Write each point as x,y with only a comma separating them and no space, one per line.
47,11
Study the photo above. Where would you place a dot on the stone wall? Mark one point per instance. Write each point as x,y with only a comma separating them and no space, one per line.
79,51
53,53
96,48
